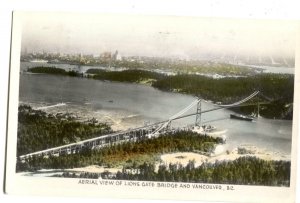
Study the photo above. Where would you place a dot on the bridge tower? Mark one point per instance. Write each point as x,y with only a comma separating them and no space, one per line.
198,115
168,127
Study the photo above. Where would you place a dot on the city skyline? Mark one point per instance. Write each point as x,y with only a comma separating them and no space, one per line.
158,36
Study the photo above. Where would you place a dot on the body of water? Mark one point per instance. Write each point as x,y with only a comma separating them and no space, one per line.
273,69
152,105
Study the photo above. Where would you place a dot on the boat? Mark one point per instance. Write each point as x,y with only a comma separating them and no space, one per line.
208,128
241,117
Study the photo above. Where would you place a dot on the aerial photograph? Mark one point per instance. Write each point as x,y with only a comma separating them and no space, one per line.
156,98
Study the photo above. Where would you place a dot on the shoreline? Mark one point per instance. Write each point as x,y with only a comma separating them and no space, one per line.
184,157
118,120
122,120
162,84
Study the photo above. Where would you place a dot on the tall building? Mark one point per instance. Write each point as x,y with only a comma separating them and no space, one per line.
117,56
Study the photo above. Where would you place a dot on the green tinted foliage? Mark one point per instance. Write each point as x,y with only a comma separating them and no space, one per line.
38,131
276,90
242,171
129,153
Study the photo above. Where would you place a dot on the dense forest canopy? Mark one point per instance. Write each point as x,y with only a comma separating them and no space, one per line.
54,71
38,130
276,90
125,76
127,153
244,170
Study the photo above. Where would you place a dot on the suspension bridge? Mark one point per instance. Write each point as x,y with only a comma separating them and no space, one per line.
133,135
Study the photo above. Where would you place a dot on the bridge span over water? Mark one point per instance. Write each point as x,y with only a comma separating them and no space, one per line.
132,135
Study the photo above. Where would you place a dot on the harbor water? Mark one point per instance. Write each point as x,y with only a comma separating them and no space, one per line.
151,105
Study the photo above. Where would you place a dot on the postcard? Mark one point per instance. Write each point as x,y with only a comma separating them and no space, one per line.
153,107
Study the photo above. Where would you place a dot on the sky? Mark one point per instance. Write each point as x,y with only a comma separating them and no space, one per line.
165,36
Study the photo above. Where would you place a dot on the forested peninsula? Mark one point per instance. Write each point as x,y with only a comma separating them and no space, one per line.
138,160
38,130
275,98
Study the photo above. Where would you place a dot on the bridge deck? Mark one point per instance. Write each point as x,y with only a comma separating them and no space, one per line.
128,135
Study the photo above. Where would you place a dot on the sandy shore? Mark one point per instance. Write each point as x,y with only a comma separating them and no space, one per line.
123,120
184,157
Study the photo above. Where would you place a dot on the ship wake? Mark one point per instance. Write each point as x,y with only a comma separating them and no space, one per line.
51,106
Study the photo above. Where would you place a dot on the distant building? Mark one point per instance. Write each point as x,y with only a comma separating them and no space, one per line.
105,56
116,56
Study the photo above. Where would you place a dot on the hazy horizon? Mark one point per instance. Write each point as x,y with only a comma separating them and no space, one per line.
165,36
